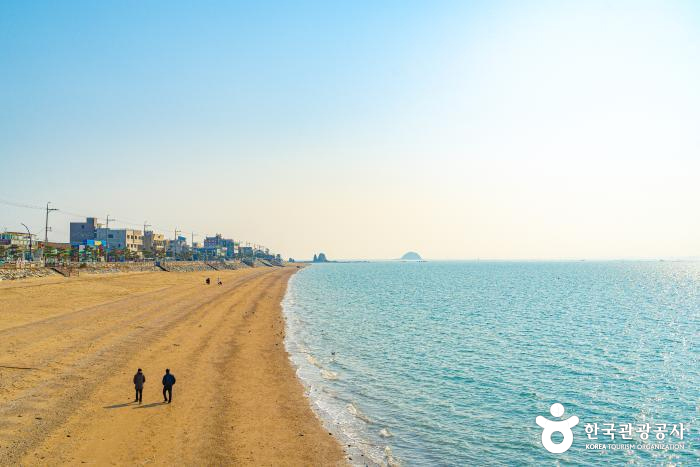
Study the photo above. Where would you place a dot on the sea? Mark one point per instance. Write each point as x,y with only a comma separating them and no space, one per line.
450,363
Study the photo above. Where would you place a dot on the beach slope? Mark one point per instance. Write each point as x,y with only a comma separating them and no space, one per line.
69,348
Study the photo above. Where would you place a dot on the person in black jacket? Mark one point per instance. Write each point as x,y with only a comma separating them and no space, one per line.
168,381
139,379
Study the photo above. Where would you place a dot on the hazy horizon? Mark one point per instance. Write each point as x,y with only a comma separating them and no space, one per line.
459,130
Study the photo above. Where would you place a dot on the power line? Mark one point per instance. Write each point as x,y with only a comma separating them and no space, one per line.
75,214
20,205
122,221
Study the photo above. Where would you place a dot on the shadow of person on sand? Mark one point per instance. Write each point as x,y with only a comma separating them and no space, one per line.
152,404
117,406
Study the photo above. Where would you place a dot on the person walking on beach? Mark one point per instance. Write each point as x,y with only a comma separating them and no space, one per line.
139,380
168,381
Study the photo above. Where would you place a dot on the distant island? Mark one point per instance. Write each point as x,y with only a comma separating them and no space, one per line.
320,258
411,256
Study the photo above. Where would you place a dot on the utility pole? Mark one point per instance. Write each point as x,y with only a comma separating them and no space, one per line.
46,227
143,237
175,241
108,221
31,257
192,246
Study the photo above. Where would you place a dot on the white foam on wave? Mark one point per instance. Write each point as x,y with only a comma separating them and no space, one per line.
389,458
311,359
347,425
355,412
327,374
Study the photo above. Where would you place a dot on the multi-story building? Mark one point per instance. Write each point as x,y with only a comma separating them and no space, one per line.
121,239
177,247
261,252
81,232
20,242
217,242
20,239
211,252
153,242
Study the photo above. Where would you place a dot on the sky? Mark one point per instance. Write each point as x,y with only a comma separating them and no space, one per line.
461,130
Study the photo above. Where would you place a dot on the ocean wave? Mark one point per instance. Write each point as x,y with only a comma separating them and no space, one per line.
389,458
357,413
311,359
349,426
327,374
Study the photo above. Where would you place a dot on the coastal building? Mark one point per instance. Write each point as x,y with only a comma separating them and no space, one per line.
217,242
18,243
177,247
19,239
211,252
81,232
121,239
153,242
261,252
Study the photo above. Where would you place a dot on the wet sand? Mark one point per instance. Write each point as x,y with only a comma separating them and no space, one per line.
69,348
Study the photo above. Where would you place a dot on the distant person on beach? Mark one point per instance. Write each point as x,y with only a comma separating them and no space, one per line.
168,381
219,281
207,281
139,379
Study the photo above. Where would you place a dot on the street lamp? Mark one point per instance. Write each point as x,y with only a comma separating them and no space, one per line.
31,257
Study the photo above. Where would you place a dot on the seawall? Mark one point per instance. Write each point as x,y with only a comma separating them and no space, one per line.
12,272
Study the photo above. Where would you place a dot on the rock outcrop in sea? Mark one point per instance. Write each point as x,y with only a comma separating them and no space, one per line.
320,258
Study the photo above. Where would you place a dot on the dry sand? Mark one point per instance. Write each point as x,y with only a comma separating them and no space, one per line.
237,400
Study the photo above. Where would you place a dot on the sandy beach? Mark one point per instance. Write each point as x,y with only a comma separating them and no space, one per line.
69,348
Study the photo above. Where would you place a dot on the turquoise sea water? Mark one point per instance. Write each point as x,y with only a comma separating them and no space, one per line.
449,363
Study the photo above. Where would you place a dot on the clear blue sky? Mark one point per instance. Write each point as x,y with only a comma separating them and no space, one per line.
363,129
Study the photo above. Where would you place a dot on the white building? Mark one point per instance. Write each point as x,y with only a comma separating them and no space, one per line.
121,239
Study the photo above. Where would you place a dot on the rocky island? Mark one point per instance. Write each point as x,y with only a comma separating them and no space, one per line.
411,256
320,258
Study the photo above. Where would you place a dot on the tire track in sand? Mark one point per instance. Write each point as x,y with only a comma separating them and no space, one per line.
35,410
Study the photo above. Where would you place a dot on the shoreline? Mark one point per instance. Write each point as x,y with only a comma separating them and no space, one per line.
336,414
237,399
